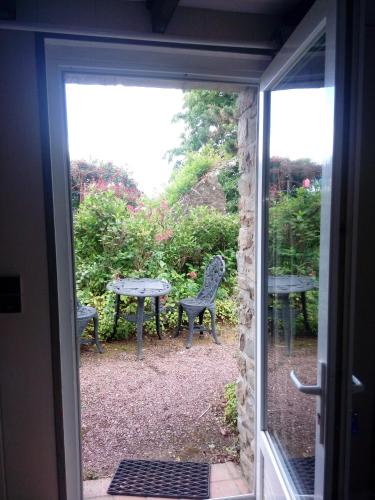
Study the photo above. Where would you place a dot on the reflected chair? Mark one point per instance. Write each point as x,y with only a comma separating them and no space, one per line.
84,315
196,306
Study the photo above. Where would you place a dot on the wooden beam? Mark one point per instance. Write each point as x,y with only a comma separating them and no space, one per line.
161,13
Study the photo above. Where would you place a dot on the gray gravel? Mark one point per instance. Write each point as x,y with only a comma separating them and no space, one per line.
291,414
168,406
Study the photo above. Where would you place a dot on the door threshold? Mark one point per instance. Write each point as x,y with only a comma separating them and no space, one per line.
226,482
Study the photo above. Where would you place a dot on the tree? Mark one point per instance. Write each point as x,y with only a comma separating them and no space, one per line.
210,119
102,176
286,174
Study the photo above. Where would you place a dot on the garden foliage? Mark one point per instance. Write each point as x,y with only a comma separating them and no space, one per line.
229,178
294,232
195,165
115,239
210,119
101,175
230,409
294,239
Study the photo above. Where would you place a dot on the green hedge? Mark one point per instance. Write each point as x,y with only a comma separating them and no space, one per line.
113,239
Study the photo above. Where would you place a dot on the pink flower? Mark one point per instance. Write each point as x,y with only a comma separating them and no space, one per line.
164,205
168,233
192,275
306,183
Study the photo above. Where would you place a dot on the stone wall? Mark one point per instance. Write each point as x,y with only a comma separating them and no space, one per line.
247,142
207,192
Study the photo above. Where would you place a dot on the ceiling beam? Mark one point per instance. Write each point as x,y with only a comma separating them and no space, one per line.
161,13
7,10
131,20
291,19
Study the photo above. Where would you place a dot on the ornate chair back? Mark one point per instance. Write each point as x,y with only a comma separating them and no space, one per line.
212,278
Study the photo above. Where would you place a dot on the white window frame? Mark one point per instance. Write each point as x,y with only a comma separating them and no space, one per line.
132,65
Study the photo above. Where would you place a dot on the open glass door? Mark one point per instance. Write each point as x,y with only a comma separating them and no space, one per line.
294,241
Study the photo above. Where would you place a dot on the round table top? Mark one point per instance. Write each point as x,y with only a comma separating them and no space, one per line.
290,284
140,287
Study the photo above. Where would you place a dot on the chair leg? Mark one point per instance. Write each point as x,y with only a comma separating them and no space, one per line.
213,326
201,315
191,318
177,333
96,335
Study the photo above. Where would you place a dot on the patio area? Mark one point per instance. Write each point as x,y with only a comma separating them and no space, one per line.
167,407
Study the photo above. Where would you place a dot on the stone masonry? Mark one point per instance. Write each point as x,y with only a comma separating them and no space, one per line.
247,152
207,192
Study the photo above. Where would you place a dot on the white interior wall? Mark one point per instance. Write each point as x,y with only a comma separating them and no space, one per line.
27,406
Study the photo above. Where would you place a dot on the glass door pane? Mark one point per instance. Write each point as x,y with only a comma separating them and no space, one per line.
299,147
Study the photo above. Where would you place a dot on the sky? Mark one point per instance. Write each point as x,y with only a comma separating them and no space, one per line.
300,124
130,126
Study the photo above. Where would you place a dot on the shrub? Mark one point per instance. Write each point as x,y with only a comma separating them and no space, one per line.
294,233
113,239
294,239
195,165
228,178
230,410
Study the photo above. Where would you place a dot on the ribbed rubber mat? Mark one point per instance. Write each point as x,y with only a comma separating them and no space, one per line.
302,471
159,478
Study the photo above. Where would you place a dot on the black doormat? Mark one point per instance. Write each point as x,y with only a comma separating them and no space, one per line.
302,471
158,478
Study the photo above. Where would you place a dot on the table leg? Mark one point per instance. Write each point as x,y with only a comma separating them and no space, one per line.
288,322
157,316
117,314
139,322
304,313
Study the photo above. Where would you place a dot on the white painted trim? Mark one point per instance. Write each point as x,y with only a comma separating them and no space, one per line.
64,56
269,452
306,33
176,65
310,29
65,278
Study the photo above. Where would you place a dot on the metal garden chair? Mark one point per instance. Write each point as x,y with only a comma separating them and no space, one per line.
84,315
196,306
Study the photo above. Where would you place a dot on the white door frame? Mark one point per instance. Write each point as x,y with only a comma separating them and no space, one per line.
321,18
134,65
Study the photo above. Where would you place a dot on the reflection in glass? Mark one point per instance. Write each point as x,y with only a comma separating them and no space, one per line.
298,148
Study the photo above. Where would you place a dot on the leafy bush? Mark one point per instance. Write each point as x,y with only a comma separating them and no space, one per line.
113,239
195,165
228,178
294,233
230,410
294,239
101,175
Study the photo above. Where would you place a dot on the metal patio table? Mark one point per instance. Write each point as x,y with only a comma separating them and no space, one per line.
283,286
140,288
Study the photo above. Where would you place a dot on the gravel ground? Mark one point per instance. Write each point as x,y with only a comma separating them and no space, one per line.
168,406
291,414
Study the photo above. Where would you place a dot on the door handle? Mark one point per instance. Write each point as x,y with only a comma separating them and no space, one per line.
313,390
357,385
